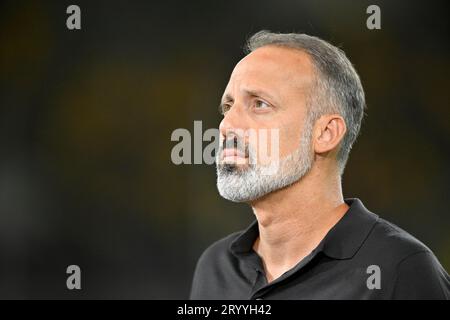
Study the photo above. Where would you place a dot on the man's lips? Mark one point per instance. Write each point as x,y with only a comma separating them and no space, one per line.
232,154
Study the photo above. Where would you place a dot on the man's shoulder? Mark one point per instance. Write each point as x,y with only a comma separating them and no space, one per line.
391,240
212,265
414,272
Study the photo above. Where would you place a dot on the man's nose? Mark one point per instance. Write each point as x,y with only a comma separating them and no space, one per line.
232,122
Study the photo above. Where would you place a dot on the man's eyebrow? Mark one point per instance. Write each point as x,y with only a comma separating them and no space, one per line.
227,98
259,93
253,92
250,92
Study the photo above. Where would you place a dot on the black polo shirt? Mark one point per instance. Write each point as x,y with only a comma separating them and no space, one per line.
361,257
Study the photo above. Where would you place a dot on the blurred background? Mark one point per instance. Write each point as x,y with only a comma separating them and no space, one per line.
86,117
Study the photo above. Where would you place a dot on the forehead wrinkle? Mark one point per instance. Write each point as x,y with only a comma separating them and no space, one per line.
274,66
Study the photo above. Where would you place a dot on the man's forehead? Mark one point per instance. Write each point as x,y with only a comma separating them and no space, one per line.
273,65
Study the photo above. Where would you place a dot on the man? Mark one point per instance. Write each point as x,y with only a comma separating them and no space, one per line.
307,241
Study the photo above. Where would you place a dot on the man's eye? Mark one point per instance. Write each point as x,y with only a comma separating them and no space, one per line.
223,108
259,104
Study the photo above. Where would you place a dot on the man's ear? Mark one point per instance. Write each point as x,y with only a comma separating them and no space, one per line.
329,131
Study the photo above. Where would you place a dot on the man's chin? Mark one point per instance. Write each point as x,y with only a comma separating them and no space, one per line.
238,198
237,186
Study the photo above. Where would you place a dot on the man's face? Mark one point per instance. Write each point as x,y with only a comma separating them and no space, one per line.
268,91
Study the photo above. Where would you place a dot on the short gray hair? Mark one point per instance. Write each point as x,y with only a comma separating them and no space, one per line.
337,88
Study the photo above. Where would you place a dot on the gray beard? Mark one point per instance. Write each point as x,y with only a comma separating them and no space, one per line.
255,181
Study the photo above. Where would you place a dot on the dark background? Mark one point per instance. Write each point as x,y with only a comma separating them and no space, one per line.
86,118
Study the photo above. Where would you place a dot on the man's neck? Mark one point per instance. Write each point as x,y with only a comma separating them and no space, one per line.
292,221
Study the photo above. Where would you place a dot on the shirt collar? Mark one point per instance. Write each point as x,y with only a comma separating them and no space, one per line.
342,241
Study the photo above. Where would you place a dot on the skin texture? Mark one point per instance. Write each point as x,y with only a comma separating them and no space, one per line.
268,89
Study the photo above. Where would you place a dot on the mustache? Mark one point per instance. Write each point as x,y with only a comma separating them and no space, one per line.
237,143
